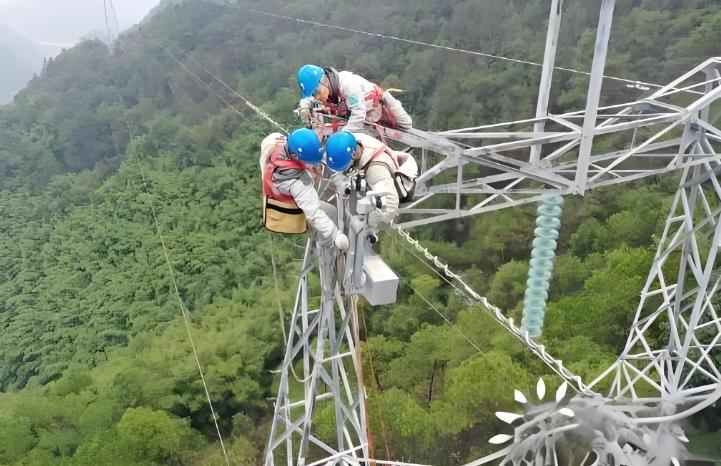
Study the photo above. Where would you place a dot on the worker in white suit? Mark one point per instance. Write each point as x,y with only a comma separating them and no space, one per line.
349,95
378,165
290,196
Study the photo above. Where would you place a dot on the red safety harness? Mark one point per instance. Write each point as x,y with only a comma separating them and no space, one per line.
269,188
374,97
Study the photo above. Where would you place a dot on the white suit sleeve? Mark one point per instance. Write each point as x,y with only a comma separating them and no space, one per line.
304,194
353,88
358,109
379,178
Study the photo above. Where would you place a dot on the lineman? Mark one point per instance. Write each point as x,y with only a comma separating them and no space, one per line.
347,94
290,197
378,164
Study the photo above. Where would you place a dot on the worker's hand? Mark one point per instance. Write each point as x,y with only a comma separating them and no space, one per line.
305,116
315,172
340,181
341,242
304,112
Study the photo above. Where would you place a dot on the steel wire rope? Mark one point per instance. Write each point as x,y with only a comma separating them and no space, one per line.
166,255
633,82
484,460
266,117
107,21
107,3
275,284
231,106
195,77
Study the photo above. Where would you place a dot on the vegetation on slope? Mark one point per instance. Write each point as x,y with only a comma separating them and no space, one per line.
95,364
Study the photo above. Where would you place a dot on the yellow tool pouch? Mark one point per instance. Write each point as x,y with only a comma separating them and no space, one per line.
283,217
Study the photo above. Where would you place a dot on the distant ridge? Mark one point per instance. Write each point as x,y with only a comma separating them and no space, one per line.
20,59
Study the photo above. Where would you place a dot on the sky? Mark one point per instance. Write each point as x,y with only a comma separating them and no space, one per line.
66,21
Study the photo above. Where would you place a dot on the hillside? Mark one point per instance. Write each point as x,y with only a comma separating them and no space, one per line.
95,363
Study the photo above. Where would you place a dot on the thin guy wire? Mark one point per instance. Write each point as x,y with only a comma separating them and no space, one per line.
115,16
228,104
446,47
107,22
180,300
380,390
485,460
266,117
199,80
260,113
170,267
195,77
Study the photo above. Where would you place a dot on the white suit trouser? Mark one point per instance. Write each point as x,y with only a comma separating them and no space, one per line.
403,119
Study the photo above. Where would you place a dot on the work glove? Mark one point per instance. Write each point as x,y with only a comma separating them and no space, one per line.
304,110
341,242
305,116
340,181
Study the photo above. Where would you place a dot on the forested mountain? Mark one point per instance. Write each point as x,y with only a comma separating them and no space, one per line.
95,363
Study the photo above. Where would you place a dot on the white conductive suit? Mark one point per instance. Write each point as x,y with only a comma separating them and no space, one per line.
299,185
357,98
378,174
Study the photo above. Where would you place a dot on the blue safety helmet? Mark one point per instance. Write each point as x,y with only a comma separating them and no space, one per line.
309,77
339,150
305,144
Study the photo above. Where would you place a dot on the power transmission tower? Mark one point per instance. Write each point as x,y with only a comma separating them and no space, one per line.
112,26
669,368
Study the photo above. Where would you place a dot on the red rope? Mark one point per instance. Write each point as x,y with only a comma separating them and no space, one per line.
375,381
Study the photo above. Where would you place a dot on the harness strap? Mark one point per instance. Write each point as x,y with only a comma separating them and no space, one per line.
375,96
383,150
336,100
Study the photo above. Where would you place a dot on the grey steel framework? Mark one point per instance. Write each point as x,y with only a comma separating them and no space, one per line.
669,368
653,136
321,370
673,349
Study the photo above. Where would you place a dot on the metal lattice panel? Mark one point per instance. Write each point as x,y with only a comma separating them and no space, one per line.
322,346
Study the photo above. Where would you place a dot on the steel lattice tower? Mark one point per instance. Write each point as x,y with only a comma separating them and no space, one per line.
670,365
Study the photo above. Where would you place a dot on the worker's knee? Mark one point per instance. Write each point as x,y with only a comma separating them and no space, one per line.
404,120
